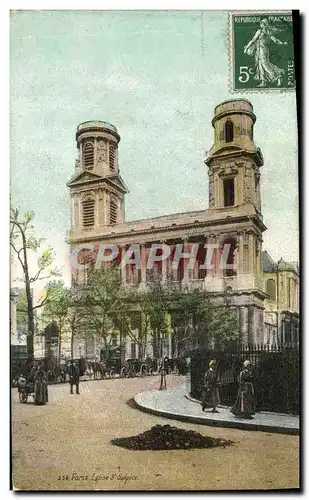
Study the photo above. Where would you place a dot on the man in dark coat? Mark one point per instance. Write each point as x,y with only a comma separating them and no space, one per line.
163,368
73,371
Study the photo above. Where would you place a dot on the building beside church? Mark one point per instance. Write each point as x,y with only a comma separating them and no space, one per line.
233,220
281,315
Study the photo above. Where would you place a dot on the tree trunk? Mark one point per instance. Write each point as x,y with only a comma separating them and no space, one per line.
59,347
72,344
30,334
122,348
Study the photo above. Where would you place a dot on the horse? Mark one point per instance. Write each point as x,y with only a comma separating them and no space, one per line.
99,369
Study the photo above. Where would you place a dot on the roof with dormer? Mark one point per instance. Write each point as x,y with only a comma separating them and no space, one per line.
270,266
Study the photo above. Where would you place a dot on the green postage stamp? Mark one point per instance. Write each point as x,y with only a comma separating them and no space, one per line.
261,51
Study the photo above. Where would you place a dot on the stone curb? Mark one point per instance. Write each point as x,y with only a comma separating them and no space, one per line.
233,424
187,396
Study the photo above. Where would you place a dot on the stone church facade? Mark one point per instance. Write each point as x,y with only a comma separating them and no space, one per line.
233,219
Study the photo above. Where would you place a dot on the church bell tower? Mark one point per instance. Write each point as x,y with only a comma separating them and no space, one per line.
97,189
234,160
234,164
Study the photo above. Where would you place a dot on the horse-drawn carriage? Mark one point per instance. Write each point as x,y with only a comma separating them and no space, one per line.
113,367
138,368
102,369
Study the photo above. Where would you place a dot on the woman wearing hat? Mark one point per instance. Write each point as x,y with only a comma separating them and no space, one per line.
245,404
210,397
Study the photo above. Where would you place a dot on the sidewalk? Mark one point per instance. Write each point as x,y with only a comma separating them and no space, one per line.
174,403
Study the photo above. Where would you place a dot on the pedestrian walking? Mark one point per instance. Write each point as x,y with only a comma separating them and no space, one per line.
163,367
244,406
74,376
210,397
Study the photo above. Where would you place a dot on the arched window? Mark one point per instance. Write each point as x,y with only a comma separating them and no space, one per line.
88,155
112,157
229,131
113,209
228,257
271,289
88,212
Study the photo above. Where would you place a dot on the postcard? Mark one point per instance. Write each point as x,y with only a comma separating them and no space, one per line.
154,240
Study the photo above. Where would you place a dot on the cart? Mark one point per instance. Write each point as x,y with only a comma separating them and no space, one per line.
25,389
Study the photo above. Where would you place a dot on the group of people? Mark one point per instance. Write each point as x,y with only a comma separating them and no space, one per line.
244,405
37,377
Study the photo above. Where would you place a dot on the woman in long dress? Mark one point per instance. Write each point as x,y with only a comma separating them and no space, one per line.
210,398
245,403
40,387
265,71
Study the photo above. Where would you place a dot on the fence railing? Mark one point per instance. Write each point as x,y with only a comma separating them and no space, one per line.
275,371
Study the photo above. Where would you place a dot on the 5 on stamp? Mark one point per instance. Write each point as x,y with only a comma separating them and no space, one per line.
262,51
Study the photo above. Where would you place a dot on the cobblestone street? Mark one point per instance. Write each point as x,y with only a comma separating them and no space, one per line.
65,445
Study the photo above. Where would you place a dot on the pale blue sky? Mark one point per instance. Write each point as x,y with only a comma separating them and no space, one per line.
157,77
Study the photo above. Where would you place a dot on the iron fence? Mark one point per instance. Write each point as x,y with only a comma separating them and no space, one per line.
275,371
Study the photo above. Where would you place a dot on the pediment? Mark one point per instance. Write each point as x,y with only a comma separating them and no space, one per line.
117,181
83,178
227,149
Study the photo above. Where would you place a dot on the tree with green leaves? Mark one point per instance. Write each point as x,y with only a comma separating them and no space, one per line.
133,320
75,318
200,321
23,242
154,304
215,324
57,308
184,307
101,299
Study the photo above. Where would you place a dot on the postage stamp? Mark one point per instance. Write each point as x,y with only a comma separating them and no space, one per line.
261,51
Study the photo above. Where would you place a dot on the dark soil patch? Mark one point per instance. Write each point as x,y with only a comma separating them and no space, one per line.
166,437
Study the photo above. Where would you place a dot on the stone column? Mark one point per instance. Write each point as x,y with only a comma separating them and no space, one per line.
218,270
241,184
96,210
236,189
251,254
185,279
211,241
143,263
194,271
123,269
173,271
164,265
95,154
105,207
259,258
251,325
240,263
243,319
216,190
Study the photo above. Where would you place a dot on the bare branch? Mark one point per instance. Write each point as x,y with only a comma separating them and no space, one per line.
18,255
